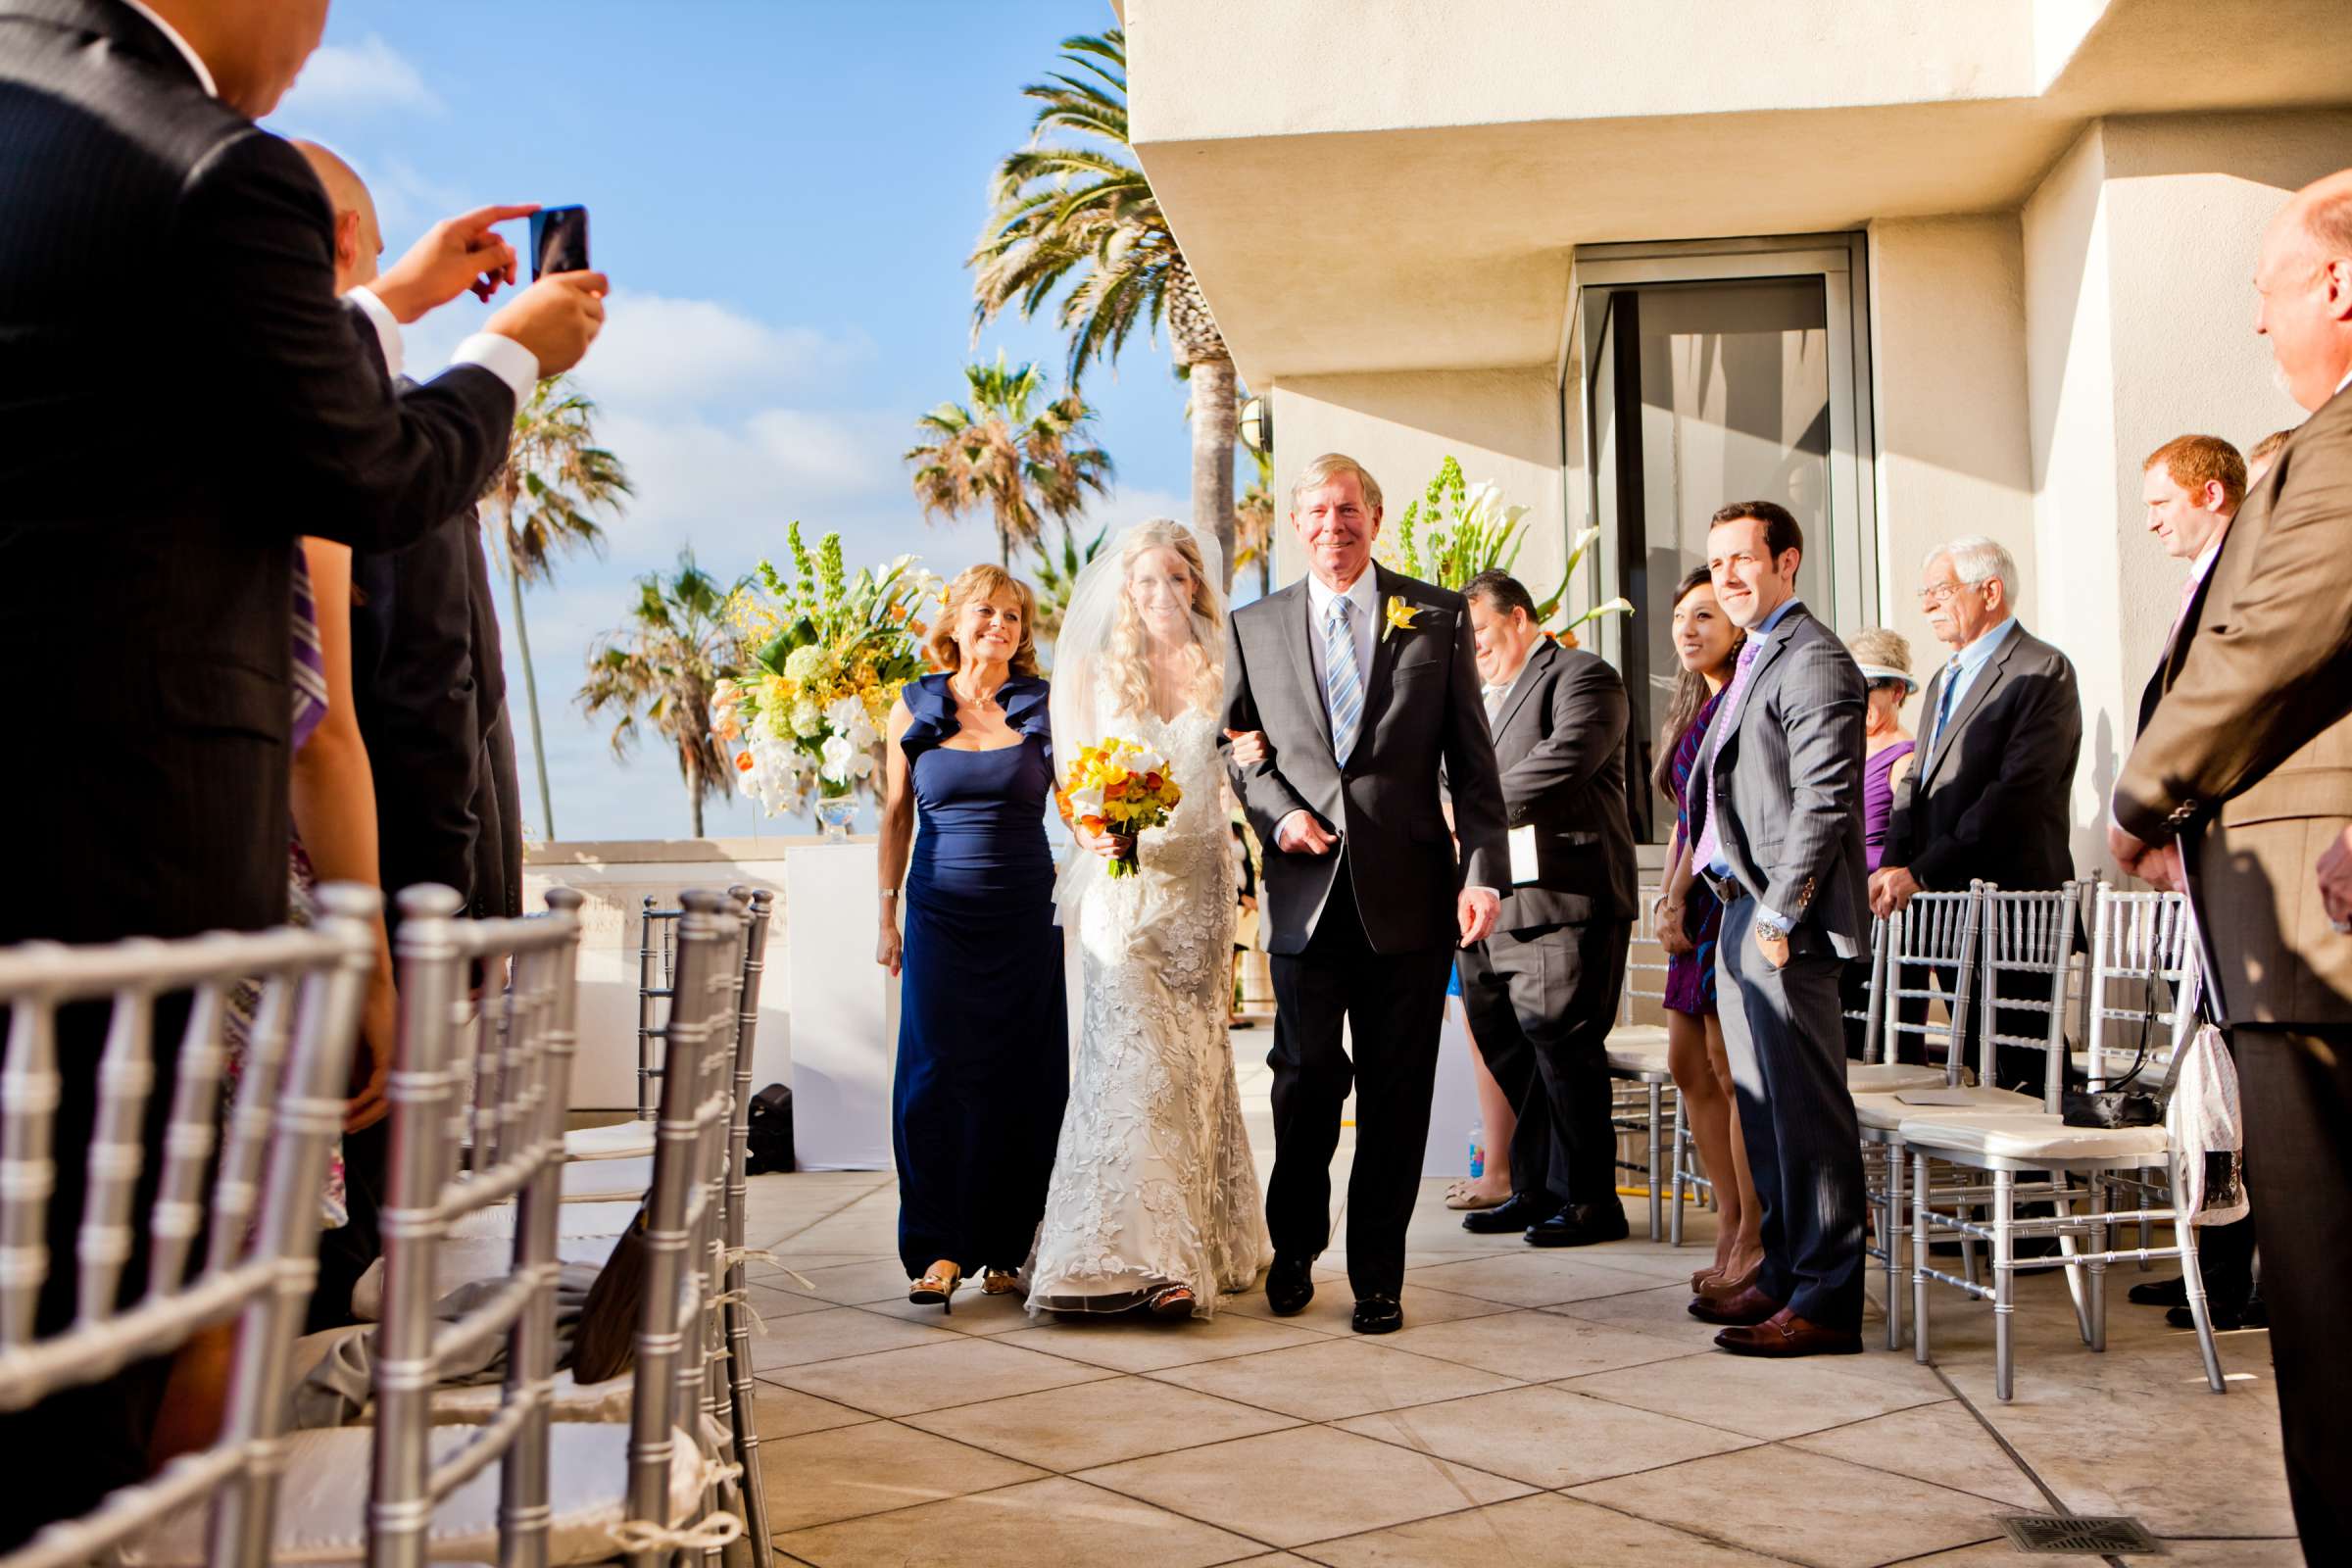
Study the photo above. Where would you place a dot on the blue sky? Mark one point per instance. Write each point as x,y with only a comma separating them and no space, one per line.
783,192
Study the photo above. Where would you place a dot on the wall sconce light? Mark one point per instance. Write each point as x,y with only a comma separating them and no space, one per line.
1258,425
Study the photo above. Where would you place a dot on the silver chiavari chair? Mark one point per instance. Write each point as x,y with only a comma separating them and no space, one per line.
634,1139
2028,958
734,1287
260,1258
2140,951
1636,1059
675,1339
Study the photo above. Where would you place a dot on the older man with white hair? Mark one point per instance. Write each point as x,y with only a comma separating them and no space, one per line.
2001,726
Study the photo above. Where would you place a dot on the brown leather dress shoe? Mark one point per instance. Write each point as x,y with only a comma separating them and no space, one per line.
1785,1335
1750,1306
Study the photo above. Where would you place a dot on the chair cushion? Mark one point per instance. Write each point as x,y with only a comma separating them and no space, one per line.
606,1218
607,1181
620,1140
323,1501
2118,1063
1638,1048
457,1263
479,1402
1890,1077
1887,1111
2008,1136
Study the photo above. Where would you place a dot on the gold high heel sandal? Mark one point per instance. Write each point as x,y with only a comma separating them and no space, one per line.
937,1287
999,1282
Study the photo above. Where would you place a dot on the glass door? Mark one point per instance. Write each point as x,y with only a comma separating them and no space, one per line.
1712,378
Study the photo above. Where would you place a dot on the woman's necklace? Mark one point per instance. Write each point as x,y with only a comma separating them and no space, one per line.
982,702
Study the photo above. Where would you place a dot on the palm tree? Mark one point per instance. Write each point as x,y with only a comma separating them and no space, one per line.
662,668
1253,524
1082,221
543,494
1057,579
1010,451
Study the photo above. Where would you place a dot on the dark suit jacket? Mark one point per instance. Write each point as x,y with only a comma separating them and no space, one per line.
185,397
2247,757
1421,710
432,707
1990,801
1559,738
1787,779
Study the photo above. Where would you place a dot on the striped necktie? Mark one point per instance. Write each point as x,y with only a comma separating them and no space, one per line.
1343,684
1944,703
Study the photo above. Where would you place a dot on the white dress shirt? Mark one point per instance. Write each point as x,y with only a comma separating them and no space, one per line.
502,357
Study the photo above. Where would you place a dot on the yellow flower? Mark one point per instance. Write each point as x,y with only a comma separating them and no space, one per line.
1400,617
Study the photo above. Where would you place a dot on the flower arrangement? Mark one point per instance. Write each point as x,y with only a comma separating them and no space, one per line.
823,657
1459,529
1118,785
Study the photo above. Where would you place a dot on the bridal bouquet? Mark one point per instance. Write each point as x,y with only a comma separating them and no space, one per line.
1118,785
824,656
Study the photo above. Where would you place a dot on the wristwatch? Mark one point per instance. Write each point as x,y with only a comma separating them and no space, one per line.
1771,931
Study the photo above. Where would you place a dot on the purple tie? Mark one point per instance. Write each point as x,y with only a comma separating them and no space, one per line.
1709,841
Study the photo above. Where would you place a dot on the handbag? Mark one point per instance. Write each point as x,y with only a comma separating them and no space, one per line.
2119,1104
604,1346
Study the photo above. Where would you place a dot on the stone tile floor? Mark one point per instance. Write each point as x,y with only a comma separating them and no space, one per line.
1539,1408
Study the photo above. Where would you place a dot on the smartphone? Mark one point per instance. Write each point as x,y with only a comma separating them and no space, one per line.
559,241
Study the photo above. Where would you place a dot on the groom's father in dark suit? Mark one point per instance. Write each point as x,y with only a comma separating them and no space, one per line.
1364,683
2001,730
185,397
1778,827
1542,991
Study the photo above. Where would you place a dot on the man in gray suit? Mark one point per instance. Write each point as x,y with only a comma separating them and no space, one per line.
1778,825
1542,991
1362,682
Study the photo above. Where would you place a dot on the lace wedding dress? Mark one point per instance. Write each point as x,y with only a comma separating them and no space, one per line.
1152,1180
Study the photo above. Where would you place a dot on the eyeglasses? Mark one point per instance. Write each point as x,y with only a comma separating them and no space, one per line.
1929,598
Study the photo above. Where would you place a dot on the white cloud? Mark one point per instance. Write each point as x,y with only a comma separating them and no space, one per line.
656,351
353,80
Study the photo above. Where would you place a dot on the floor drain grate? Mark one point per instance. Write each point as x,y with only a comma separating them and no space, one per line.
2084,1535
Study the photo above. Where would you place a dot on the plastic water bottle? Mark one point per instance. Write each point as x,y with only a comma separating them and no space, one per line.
1478,1149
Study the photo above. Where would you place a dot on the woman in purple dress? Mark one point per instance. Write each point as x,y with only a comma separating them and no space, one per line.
1687,918
1888,758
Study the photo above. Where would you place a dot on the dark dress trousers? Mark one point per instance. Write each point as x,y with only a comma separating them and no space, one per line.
185,397
1362,937
2246,760
1988,800
1542,992
1787,774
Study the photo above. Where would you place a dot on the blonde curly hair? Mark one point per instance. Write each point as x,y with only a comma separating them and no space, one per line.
1126,665
983,582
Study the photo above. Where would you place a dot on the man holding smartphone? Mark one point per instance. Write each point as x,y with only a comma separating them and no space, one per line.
158,240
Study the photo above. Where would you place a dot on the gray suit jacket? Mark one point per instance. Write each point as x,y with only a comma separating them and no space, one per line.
1559,737
1788,782
1421,709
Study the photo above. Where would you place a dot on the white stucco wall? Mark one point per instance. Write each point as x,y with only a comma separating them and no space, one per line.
1505,425
2139,248
1947,353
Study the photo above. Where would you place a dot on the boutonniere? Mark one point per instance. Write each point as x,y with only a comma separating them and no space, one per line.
1400,617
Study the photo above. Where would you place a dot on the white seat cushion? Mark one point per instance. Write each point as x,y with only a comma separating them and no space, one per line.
2040,1136
574,1400
620,1140
323,1501
457,1263
1887,1111
1638,1048
604,1181
1890,1077
496,1222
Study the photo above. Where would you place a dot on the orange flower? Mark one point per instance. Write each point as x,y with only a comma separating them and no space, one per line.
742,762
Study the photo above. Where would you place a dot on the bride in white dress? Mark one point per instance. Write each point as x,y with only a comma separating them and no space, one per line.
1155,1201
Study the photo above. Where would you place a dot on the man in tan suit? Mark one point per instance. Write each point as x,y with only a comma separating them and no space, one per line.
2240,783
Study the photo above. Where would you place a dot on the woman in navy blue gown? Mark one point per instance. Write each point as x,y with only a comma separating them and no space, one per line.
983,1035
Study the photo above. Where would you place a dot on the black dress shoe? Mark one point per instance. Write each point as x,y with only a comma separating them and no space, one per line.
2161,1292
1514,1213
2226,1316
1579,1225
1377,1315
1290,1285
